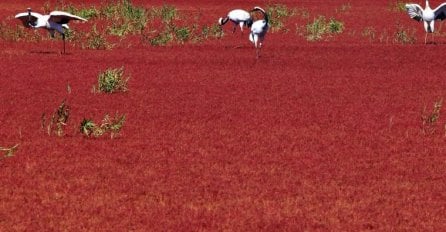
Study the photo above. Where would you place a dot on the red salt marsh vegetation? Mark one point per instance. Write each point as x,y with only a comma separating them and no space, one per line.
339,133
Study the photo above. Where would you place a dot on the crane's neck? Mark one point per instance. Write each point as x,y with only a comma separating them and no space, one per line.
223,21
265,15
30,23
29,14
427,4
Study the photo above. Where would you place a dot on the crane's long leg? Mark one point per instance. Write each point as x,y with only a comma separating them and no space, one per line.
241,28
425,39
63,38
257,49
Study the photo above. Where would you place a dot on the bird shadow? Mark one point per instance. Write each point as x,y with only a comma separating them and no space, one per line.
49,53
434,43
236,47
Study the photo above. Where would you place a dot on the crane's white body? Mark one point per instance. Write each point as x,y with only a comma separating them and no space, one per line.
237,17
258,30
55,21
427,15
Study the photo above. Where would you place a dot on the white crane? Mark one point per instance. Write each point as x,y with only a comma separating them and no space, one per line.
428,16
55,21
258,30
237,17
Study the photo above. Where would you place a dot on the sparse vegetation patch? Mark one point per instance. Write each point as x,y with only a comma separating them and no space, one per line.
430,118
96,40
112,80
369,33
404,36
397,6
8,151
108,125
278,13
344,8
125,18
213,31
57,121
167,13
320,27
15,33
84,12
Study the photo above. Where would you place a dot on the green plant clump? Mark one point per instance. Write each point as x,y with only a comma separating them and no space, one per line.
404,36
182,34
167,13
162,39
126,18
370,33
320,27
213,31
316,29
58,120
397,6
96,40
335,27
112,80
430,119
9,33
17,32
84,12
277,14
8,151
108,125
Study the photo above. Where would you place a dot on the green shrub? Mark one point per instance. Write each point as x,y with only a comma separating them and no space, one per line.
8,33
113,125
84,12
16,33
167,13
404,36
317,29
213,31
87,127
335,26
182,34
125,17
80,37
277,14
112,80
108,125
161,39
119,28
397,6
96,40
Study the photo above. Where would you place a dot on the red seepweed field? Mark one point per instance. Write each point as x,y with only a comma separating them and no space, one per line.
329,135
